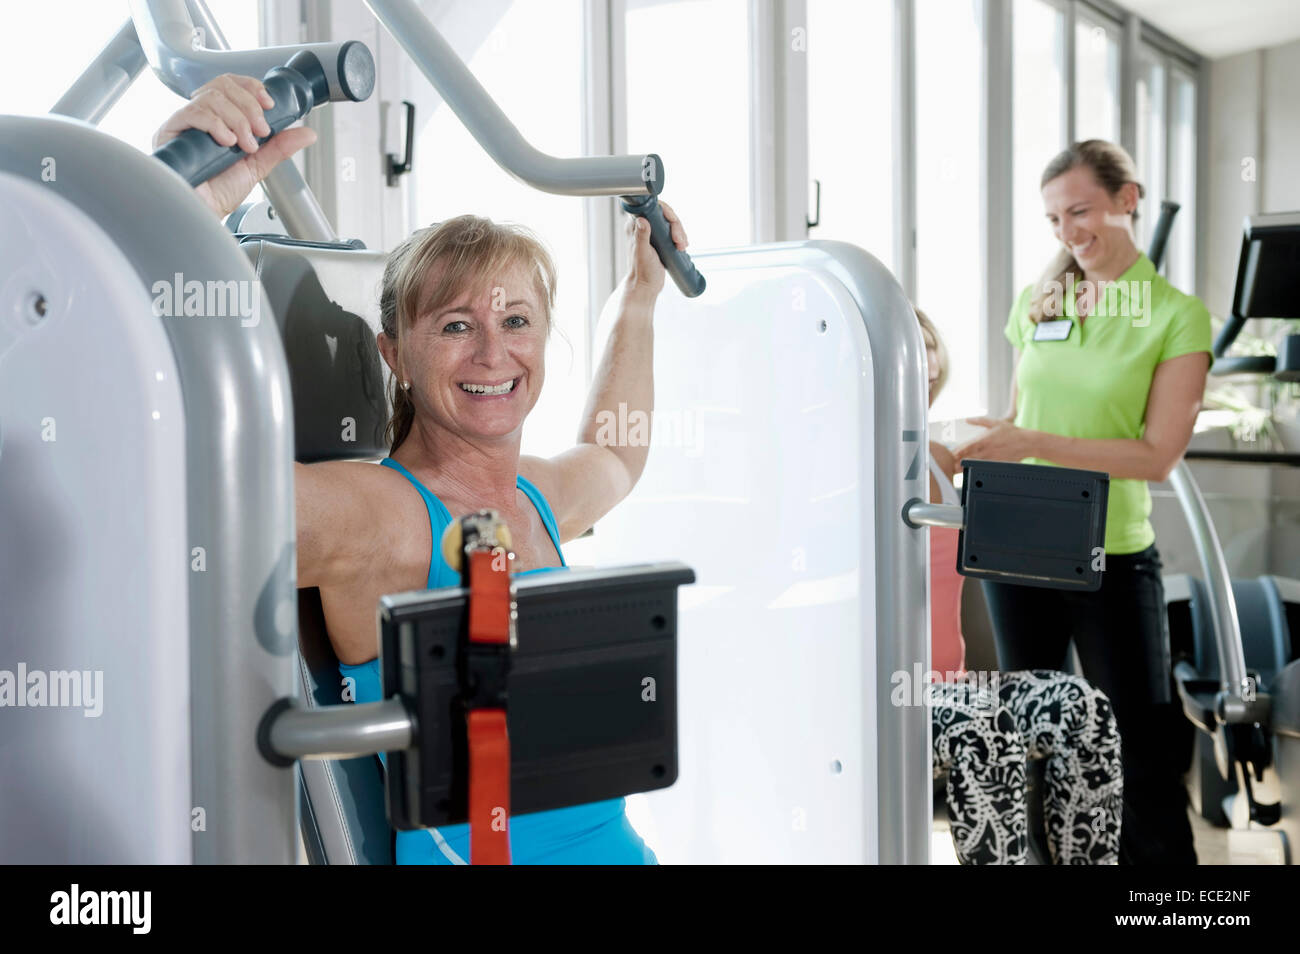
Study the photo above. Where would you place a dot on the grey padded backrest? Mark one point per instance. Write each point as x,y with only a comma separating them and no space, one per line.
326,304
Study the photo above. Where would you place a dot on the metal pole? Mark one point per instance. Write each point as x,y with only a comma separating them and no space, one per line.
1218,583
104,81
904,122
342,732
285,188
917,514
588,175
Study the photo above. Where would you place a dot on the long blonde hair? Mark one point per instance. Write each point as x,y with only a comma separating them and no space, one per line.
932,340
470,251
1113,168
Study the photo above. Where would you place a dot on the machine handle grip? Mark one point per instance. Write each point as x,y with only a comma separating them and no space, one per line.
296,89
676,262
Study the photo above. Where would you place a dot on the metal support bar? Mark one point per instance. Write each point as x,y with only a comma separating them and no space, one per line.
602,27
778,122
285,188
997,202
917,514
1130,65
490,127
184,52
905,145
104,81
1069,69
342,732
1218,583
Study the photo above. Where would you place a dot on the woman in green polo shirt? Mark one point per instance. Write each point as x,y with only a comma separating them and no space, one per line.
1111,369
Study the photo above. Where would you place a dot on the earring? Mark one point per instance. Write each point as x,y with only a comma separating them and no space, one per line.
406,385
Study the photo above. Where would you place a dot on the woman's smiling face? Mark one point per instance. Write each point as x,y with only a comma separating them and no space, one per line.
1094,225
477,363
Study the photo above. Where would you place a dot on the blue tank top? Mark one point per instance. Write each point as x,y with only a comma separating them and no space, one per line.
597,833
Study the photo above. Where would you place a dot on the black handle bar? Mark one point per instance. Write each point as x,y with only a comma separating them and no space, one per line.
297,87
676,262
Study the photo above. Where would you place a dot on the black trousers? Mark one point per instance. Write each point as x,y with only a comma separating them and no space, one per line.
1121,635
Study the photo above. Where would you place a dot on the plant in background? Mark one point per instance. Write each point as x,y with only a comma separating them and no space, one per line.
1255,405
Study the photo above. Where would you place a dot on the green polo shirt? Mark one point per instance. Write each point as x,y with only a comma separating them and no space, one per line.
1094,383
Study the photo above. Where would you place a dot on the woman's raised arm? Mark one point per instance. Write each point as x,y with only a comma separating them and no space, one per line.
585,482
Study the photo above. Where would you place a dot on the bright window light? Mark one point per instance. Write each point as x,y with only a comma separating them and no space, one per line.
1180,255
850,121
949,113
1038,123
50,43
1096,78
688,101
1150,156
531,63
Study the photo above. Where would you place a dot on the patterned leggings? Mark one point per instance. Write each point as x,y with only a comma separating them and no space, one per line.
984,732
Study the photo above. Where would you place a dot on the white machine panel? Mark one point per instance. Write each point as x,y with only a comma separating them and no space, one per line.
760,478
94,560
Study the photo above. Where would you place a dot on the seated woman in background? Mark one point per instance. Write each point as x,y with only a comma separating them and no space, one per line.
947,648
984,732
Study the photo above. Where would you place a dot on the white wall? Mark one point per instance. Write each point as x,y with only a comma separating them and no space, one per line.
1254,166
1254,115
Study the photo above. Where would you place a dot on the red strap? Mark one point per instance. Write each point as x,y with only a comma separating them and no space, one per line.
489,597
489,788
489,741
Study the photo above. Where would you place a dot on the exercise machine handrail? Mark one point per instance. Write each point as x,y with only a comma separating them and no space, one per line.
168,36
492,129
285,187
1238,691
1223,604
339,732
102,83
1160,233
1246,457
117,66
917,514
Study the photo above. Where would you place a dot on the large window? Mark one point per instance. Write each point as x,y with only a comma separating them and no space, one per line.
687,96
1150,155
46,46
1180,255
850,121
1038,127
1096,79
949,116
531,64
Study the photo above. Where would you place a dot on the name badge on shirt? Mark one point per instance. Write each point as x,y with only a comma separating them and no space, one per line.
1053,330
